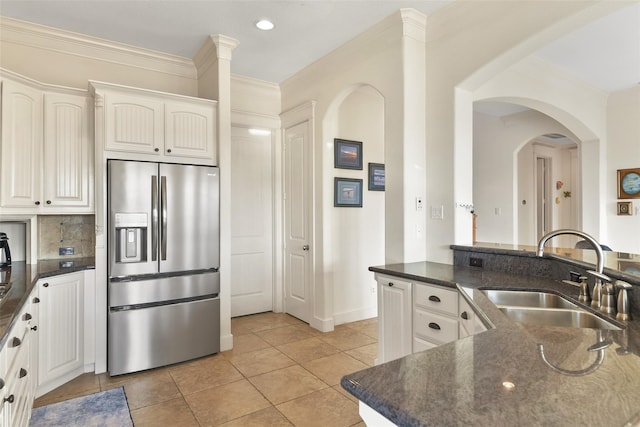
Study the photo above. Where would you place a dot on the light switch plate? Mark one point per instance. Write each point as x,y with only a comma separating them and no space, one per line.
437,212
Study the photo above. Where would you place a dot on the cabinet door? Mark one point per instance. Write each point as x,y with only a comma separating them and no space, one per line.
189,130
67,153
61,327
133,123
394,322
21,145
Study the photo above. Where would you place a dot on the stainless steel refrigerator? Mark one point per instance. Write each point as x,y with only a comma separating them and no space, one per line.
163,245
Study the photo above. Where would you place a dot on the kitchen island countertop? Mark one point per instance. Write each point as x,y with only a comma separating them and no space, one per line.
499,377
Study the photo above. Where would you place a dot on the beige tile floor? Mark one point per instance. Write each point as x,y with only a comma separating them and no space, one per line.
281,372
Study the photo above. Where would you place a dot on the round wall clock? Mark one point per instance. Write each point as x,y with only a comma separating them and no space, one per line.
628,183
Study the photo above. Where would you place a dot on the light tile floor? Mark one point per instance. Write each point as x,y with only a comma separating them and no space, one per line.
281,372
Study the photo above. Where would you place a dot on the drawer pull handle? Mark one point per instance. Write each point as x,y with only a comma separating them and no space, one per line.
35,328
15,342
23,373
390,283
434,325
464,315
434,298
10,399
28,316
46,285
36,300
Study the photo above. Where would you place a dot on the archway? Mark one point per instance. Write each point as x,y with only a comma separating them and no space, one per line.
506,145
353,237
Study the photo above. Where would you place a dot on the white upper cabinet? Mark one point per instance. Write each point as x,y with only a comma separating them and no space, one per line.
46,150
189,130
67,153
21,145
134,124
148,125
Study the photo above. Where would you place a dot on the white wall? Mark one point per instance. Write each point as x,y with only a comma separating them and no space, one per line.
376,58
623,129
354,237
503,175
17,235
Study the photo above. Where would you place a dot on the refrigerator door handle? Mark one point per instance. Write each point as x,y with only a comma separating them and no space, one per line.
154,218
163,218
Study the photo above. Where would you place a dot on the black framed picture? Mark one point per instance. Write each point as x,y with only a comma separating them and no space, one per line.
347,192
347,154
376,177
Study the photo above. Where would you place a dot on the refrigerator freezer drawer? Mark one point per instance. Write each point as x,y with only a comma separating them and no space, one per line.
163,289
159,336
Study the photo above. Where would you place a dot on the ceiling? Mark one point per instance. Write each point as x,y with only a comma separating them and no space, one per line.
605,53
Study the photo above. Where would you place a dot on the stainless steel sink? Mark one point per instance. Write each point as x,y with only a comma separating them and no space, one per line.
527,299
570,318
545,309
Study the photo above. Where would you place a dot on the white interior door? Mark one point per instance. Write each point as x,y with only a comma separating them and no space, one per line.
297,259
251,223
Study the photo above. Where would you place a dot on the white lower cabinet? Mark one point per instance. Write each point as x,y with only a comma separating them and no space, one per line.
17,372
394,318
61,331
435,315
417,316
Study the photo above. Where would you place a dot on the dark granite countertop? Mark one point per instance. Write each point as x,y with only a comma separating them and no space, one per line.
23,278
461,383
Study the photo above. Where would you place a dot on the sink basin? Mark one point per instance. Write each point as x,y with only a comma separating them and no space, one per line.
570,318
527,299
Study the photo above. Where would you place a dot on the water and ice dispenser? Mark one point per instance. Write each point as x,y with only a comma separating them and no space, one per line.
131,237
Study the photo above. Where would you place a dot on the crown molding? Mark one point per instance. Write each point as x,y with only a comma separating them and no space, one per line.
414,24
214,47
81,45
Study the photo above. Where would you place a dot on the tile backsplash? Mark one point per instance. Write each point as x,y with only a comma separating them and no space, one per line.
57,231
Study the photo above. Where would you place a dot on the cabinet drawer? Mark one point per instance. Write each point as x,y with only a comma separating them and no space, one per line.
436,298
434,327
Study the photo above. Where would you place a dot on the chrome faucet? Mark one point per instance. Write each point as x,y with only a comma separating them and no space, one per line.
599,276
585,236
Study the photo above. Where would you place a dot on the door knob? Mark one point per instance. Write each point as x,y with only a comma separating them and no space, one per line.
305,248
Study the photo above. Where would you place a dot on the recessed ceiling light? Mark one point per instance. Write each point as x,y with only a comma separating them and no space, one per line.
265,24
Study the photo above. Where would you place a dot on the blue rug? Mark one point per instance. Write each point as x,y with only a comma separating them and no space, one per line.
105,409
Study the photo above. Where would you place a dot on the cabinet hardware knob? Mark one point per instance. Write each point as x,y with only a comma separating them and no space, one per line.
37,202
36,300
434,325
305,247
46,285
168,150
156,149
23,373
434,298
34,328
15,342
390,283
48,202
27,316
464,315
9,399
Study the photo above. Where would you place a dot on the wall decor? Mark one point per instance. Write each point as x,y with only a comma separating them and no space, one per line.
629,183
376,177
347,154
624,208
347,192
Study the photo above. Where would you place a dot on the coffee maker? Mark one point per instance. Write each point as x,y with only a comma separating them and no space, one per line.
5,252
